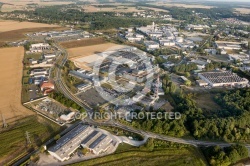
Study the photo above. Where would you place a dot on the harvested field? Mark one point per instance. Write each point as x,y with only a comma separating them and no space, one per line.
182,5
10,8
11,5
243,10
6,25
83,42
2,44
20,34
155,9
11,84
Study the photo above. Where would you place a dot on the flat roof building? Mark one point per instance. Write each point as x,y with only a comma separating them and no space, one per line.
222,78
82,135
228,45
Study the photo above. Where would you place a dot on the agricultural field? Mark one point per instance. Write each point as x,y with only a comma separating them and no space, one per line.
125,9
181,5
127,155
11,5
13,144
11,84
7,25
155,9
14,30
243,10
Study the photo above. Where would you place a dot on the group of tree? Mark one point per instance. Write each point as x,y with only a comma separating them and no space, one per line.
218,156
65,101
214,65
167,85
184,68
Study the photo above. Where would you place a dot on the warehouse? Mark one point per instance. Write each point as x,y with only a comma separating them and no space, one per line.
228,45
222,78
82,135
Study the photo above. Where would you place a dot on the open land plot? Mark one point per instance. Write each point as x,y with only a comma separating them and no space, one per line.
13,141
83,42
182,5
84,51
161,157
82,56
243,10
11,84
207,103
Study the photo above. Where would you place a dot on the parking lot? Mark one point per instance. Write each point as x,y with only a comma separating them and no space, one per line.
95,98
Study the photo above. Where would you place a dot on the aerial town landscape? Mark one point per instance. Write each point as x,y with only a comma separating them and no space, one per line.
120,82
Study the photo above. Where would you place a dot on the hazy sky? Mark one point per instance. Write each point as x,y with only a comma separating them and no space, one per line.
230,0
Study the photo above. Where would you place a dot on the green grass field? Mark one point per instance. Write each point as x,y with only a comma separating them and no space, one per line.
13,141
127,155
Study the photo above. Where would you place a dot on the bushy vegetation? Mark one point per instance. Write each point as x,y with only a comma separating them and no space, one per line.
184,68
65,101
218,156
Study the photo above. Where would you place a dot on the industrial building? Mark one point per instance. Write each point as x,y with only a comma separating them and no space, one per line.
39,47
151,45
228,45
222,78
88,137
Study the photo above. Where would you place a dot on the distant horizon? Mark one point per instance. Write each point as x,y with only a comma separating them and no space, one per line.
208,0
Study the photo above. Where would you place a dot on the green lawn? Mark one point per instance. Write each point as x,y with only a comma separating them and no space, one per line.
25,96
13,141
35,56
127,155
